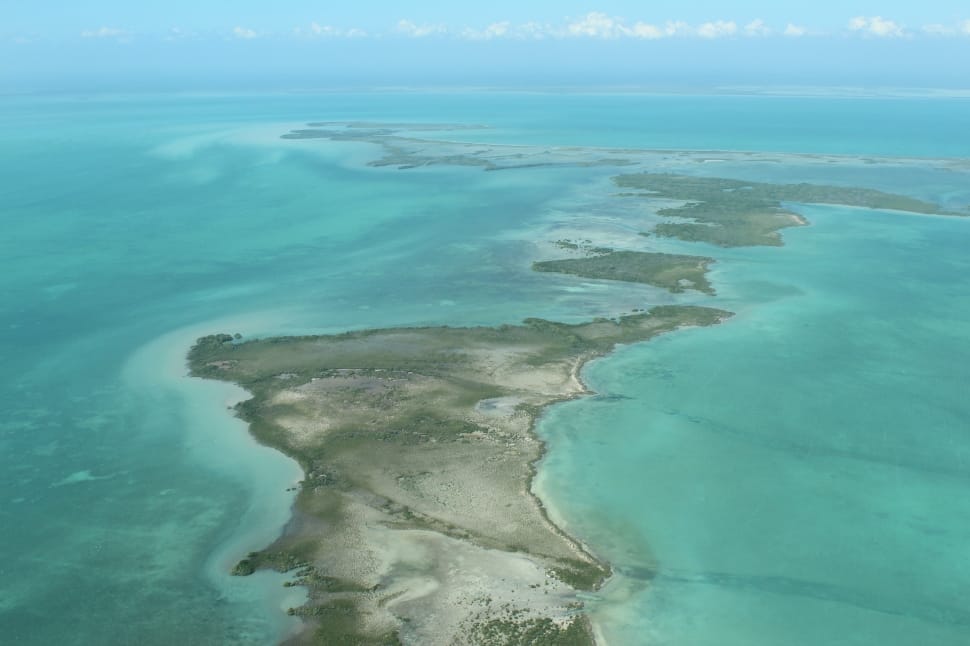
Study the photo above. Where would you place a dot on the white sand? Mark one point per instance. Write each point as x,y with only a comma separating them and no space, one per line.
220,442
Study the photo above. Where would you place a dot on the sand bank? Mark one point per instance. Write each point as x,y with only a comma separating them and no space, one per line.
218,441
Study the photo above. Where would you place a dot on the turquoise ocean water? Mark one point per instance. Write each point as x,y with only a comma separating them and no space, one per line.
798,475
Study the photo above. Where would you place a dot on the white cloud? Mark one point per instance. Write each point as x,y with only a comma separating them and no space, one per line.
757,28
534,30
495,30
412,30
717,29
876,26
316,30
323,30
104,32
244,33
595,25
601,25
177,33
937,29
677,28
646,31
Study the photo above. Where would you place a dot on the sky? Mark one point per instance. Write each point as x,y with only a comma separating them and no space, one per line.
220,44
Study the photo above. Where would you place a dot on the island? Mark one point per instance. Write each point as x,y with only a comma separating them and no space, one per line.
736,213
416,522
674,272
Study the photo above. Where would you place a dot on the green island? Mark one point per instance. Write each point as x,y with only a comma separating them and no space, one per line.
416,522
733,213
673,272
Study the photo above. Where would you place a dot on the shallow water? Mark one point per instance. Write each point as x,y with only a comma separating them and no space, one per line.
798,475
132,225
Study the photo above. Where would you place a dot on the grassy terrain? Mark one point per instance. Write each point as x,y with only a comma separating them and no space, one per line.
386,424
670,271
732,213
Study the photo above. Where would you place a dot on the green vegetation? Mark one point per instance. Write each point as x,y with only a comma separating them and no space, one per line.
531,632
281,363
732,213
585,246
580,575
406,385
407,152
670,271
340,623
403,386
277,560
387,421
406,429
